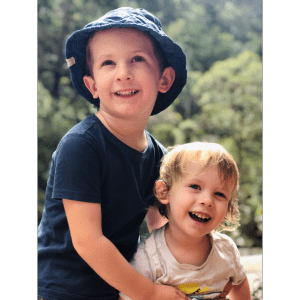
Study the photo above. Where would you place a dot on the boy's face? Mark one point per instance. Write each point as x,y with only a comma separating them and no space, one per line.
198,203
126,74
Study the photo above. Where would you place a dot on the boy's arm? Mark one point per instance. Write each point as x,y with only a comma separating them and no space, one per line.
100,253
240,291
154,219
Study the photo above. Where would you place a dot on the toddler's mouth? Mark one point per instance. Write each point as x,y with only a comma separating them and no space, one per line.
126,93
200,217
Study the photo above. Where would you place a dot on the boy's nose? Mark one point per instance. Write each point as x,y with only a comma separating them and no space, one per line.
123,73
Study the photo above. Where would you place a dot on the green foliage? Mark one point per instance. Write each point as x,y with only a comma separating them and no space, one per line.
201,52
221,102
209,33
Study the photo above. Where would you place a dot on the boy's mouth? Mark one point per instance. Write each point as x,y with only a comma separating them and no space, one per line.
126,93
200,217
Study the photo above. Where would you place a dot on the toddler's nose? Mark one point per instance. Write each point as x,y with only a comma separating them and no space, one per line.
206,200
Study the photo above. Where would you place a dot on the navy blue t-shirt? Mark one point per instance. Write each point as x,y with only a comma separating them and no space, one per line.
90,164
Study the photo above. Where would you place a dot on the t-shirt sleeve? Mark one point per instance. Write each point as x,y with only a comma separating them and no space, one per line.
240,272
77,172
141,263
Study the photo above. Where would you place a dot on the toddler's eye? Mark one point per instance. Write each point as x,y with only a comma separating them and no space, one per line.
195,186
220,194
138,59
107,63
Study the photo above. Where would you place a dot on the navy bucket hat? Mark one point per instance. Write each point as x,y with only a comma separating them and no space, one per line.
134,18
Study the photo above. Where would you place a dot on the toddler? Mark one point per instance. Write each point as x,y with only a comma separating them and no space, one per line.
197,193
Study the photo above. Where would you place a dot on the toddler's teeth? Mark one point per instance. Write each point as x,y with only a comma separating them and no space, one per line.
200,217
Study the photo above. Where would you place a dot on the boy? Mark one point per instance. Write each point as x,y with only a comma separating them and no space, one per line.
197,193
103,171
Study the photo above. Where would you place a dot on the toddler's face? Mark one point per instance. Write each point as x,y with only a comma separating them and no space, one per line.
126,75
198,203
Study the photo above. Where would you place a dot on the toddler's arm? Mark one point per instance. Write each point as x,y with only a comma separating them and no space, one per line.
240,291
100,253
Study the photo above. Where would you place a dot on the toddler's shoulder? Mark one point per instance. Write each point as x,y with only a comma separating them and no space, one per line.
225,247
222,240
150,246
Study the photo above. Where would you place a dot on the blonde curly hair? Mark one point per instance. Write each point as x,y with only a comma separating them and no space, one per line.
174,167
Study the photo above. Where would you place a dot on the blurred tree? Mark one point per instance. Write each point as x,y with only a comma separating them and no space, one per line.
210,31
167,10
240,17
186,103
203,45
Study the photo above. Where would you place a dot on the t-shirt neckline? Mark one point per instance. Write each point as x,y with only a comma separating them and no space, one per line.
170,257
121,144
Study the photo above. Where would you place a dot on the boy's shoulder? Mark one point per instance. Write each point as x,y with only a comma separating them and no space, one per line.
91,133
84,125
157,143
89,129
82,138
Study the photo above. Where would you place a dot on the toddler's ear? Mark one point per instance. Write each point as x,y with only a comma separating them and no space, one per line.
162,192
91,86
166,80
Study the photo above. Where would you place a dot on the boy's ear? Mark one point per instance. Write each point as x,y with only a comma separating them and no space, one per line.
91,86
162,192
166,80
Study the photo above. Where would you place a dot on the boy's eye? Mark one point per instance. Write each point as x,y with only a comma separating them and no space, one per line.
107,63
138,59
195,186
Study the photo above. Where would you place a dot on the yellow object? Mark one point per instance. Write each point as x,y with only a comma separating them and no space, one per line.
206,289
189,288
